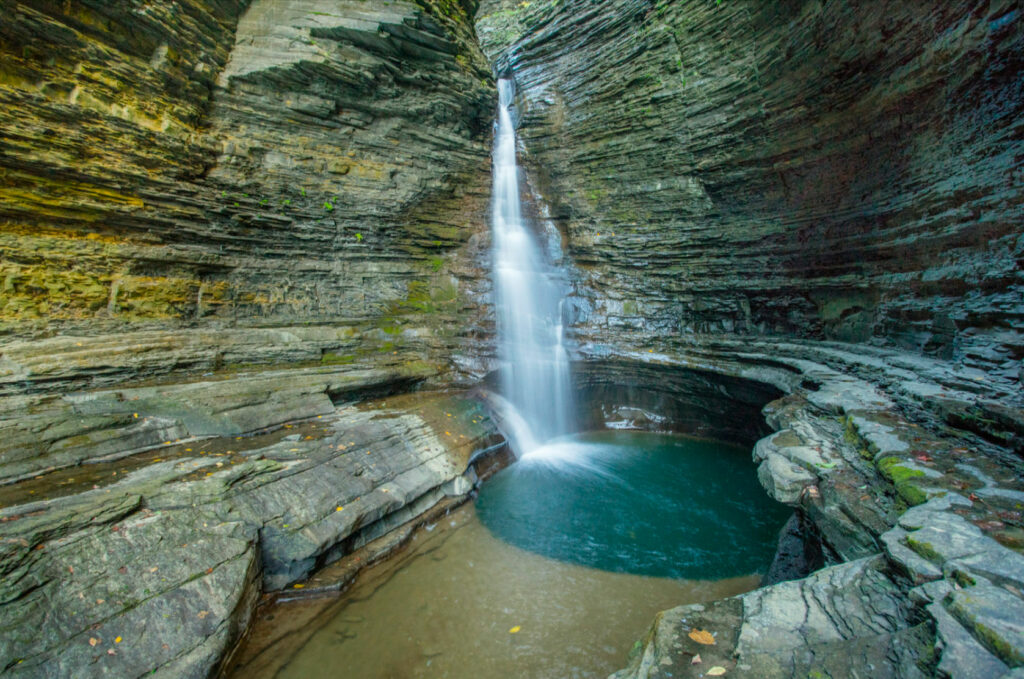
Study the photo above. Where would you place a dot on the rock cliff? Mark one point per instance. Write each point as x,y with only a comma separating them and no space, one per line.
214,188
823,170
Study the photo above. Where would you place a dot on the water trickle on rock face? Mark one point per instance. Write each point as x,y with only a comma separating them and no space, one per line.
534,363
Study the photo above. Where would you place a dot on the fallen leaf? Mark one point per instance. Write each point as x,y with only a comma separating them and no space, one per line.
696,660
93,641
298,586
111,651
716,671
702,636
154,569
339,508
515,629
117,640
202,614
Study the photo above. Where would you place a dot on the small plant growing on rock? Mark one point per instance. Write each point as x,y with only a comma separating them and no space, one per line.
328,205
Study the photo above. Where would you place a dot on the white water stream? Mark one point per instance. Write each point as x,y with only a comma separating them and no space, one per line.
528,297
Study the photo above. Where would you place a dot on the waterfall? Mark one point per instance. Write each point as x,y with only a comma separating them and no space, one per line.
528,296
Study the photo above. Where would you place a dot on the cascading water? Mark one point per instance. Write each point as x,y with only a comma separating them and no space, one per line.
534,363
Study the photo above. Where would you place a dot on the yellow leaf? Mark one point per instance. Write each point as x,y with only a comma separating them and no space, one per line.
339,508
117,640
298,586
514,629
716,671
702,636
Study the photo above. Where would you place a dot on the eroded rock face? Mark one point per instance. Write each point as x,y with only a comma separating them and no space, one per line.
819,170
223,164
206,189
157,568
919,521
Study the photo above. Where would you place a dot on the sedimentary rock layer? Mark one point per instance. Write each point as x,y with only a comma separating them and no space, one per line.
919,521
846,171
197,164
154,563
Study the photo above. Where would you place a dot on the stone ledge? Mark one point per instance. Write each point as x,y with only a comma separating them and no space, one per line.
937,504
161,570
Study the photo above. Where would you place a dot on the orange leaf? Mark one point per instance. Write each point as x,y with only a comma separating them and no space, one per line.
702,636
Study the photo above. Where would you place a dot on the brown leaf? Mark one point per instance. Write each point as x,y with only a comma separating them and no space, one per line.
702,636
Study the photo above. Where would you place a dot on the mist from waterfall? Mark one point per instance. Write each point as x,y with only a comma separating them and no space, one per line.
528,297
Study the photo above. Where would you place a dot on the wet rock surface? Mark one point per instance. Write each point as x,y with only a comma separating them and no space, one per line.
922,521
160,570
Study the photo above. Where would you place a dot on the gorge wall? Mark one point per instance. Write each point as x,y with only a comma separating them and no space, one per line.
211,165
823,170
212,188
221,217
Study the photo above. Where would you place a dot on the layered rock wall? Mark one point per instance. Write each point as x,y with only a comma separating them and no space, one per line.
201,164
846,171
204,189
